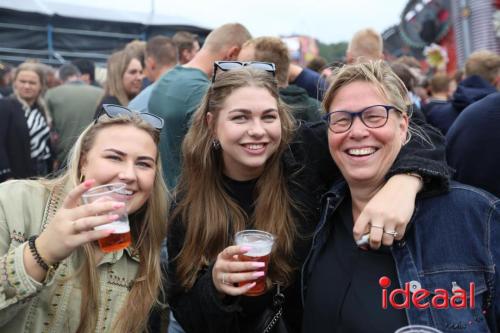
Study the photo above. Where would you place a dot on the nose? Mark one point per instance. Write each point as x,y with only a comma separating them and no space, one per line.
358,130
127,174
256,129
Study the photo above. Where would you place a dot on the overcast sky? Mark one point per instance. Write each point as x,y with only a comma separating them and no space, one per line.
327,20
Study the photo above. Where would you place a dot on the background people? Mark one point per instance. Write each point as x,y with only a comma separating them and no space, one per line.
56,277
124,79
25,147
72,107
368,126
187,46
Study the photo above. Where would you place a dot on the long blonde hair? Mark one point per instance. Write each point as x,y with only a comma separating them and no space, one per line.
38,70
208,212
117,65
147,236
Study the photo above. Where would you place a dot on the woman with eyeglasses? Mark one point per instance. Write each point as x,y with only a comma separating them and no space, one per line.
247,166
54,276
446,266
25,146
123,79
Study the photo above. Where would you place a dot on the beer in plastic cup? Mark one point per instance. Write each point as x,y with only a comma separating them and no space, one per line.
120,238
260,244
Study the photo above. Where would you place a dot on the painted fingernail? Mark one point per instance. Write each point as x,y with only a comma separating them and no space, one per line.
258,274
88,182
251,285
259,264
113,217
246,248
118,205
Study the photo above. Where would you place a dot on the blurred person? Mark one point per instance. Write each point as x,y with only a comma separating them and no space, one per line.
55,276
187,46
452,240
25,147
366,44
87,71
72,106
472,147
161,56
138,49
317,64
439,88
418,93
123,80
6,78
178,93
406,76
274,50
482,77
50,74
247,166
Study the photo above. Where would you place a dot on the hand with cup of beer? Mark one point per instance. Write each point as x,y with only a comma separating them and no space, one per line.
241,269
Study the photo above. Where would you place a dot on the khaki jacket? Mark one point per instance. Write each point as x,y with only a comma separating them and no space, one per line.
26,207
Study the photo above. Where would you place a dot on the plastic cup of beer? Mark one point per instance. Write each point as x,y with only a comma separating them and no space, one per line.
260,244
418,329
120,238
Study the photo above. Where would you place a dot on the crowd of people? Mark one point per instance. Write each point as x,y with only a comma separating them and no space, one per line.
363,172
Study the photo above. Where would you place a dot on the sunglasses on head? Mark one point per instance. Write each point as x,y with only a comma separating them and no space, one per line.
112,111
229,65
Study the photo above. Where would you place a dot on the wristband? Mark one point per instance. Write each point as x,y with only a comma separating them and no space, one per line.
414,174
38,258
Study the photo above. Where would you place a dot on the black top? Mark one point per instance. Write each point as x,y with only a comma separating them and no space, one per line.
242,192
344,295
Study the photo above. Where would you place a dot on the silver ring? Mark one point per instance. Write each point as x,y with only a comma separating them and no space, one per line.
377,226
393,233
224,279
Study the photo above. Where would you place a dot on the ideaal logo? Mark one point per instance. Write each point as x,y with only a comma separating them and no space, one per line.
423,298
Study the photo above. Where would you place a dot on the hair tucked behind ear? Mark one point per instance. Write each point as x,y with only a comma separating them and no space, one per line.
148,232
210,215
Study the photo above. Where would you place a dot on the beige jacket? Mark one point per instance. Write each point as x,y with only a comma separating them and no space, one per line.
26,207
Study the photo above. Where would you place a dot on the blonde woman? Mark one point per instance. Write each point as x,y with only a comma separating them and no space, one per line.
54,276
123,78
25,149
241,170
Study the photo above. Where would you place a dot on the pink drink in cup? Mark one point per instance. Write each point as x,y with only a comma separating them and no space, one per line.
260,244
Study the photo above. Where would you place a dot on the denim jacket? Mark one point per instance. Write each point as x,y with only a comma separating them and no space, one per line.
452,240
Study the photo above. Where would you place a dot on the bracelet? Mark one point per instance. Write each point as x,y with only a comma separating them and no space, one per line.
38,258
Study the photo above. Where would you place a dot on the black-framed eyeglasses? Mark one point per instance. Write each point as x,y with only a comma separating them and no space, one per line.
229,65
373,116
112,111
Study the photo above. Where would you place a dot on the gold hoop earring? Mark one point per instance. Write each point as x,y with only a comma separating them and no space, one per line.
82,178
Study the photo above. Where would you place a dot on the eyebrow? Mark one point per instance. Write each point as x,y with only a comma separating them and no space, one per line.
249,111
116,151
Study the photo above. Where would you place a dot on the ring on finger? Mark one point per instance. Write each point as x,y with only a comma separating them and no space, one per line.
224,279
377,226
393,233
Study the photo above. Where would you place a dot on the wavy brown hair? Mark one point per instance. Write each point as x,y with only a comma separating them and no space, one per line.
210,215
148,229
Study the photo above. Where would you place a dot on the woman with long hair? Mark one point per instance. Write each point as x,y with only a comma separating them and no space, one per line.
55,278
247,166
25,147
123,79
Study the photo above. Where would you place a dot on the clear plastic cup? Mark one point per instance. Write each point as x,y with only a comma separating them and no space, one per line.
120,238
418,329
261,245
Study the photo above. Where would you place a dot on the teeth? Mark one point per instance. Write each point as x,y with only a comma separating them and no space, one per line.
254,146
361,151
127,192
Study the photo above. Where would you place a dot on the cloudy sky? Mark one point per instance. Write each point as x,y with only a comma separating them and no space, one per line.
327,20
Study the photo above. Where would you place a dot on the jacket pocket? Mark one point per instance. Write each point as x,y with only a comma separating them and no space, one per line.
457,300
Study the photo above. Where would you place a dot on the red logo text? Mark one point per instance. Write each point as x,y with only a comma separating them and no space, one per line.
423,298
